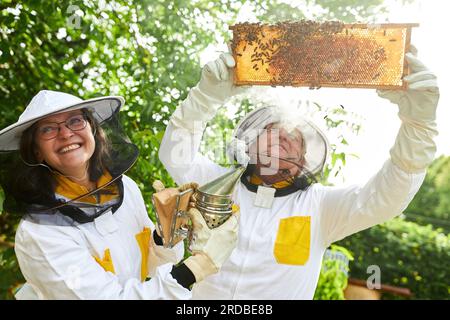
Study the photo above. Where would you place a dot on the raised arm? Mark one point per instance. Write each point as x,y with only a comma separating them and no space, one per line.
349,210
179,147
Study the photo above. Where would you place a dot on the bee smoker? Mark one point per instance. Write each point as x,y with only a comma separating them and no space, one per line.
213,200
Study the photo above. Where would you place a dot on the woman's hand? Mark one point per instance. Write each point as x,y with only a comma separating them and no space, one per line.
167,202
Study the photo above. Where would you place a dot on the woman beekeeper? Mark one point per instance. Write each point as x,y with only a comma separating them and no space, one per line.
287,221
85,232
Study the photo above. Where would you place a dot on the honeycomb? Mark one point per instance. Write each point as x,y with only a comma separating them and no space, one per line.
327,54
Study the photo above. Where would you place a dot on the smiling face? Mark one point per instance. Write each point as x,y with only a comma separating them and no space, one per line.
279,153
69,151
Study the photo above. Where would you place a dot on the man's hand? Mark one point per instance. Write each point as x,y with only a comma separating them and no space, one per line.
211,247
414,148
217,79
215,87
419,102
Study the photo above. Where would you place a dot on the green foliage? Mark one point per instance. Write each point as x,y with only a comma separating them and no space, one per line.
338,120
348,11
409,255
10,273
431,205
334,274
2,198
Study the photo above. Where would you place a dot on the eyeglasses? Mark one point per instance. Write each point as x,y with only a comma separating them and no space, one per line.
292,133
50,130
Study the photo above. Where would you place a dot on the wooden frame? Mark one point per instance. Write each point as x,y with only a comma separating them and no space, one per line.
390,71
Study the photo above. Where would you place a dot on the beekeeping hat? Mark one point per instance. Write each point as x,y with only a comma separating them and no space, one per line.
121,155
48,102
252,125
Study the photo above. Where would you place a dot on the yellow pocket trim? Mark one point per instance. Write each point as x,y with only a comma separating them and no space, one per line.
106,263
293,240
143,240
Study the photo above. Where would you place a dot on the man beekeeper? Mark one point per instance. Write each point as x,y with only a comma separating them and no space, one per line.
288,221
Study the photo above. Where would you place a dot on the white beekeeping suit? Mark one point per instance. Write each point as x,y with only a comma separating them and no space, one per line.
281,242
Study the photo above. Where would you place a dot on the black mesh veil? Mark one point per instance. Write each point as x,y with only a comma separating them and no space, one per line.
31,188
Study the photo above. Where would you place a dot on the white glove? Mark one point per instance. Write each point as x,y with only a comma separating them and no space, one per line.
420,101
211,247
414,148
217,80
213,90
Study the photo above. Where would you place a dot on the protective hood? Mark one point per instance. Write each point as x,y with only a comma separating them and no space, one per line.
314,144
38,189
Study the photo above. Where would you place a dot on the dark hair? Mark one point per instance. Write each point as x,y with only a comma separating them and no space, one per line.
36,184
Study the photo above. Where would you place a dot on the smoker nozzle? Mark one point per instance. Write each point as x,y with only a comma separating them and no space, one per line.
213,199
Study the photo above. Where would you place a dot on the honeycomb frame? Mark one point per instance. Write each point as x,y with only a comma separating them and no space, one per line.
327,54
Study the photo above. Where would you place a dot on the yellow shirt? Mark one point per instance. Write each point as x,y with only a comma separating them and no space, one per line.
254,179
72,190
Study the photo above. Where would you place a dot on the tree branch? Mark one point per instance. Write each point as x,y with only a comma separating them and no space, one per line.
6,244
